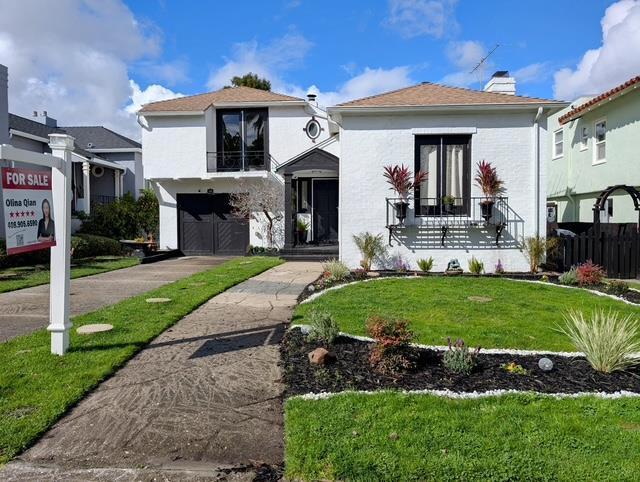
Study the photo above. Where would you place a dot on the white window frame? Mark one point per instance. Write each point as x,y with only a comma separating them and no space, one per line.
595,160
584,139
555,143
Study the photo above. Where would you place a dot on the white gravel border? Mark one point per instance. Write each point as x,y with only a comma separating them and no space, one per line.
338,287
469,395
488,351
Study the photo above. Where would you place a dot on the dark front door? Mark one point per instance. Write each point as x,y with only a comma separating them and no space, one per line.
206,226
325,210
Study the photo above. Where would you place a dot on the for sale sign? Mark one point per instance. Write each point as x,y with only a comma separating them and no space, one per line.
28,211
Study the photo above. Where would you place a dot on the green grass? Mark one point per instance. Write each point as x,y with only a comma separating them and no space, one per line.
520,315
25,277
521,437
37,388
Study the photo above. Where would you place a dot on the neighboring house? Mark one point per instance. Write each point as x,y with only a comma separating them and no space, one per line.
106,165
595,143
199,149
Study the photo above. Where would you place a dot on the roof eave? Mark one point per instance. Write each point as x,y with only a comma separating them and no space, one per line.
585,108
445,107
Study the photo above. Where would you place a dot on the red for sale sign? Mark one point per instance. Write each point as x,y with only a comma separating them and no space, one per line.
28,211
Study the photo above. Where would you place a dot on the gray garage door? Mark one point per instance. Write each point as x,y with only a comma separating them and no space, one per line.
206,226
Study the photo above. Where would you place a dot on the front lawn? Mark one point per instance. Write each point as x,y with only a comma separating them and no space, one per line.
391,436
518,315
25,277
37,388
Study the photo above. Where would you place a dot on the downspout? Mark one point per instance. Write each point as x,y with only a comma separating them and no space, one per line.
536,160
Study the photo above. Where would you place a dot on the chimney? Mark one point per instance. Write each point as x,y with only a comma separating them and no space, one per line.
311,98
4,105
44,118
502,83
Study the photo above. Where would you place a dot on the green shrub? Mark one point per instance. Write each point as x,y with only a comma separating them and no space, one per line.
617,288
323,327
459,359
125,218
392,351
24,259
89,246
476,266
607,339
335,270
425,265
371,247
570,278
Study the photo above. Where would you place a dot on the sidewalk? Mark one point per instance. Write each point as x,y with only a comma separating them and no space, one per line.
26,310
201,399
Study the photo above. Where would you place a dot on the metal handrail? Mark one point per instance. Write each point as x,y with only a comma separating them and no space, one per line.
234,161
449,211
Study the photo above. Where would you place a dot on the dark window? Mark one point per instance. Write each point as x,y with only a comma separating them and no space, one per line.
448,187
242,139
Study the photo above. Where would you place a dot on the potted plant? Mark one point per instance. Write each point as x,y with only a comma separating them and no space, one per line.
491,185
448,202
301,229
401,181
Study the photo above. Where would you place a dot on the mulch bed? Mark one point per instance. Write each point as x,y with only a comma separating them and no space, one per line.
351,371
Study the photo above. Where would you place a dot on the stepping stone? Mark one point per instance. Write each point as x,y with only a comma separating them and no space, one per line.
479,299
158,300
94,328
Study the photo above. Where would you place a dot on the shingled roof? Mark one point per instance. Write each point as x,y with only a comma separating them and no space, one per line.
599,99
101,138
429,94
228,95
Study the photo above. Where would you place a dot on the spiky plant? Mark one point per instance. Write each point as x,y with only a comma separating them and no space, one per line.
610,342
401,180
370,247
488,180
537,248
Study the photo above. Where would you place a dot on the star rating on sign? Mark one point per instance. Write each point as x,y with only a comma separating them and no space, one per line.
21,214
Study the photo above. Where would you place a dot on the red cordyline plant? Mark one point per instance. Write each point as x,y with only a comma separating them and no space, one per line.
401,180
487,179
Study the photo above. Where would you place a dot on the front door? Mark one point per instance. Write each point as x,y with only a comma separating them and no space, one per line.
325,210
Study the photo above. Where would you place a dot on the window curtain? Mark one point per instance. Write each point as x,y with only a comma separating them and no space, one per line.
429,163
453,170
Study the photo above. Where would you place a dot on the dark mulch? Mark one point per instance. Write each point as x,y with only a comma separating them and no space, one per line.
351,371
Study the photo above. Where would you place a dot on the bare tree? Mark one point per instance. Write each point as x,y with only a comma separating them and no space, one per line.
260,197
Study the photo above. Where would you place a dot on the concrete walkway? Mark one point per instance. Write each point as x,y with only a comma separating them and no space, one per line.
26,310
200,400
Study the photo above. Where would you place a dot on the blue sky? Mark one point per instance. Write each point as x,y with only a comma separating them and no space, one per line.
95,62
344,38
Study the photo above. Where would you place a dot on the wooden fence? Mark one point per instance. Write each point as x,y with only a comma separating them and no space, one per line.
618,254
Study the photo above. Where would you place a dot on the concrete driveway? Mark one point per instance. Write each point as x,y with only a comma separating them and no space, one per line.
202,402
26,310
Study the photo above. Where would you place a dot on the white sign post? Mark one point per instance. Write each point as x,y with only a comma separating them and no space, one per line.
59,284
60,163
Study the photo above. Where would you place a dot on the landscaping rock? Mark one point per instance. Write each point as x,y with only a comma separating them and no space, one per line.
321,356
373,274
94,328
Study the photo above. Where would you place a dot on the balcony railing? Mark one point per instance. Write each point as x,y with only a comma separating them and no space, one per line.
447,213
237,161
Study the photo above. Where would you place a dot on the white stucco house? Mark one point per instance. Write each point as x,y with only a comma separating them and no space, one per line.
329,164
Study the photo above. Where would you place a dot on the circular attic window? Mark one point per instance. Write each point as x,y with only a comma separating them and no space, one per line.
97,171
313,129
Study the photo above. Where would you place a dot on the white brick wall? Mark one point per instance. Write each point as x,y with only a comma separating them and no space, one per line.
368,143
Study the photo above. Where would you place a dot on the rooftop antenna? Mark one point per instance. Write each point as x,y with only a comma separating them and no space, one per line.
480,66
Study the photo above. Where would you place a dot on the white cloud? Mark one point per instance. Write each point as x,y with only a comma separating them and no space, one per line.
615,61
465,55
415,18
269,61
536,72
72,60
152,93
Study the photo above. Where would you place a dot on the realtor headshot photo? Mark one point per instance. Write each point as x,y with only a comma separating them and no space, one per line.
46,226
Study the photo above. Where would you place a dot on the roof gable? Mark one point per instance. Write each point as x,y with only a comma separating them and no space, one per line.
227,95
430,94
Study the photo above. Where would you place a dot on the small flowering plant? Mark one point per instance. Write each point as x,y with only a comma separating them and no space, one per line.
499,268
459,359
